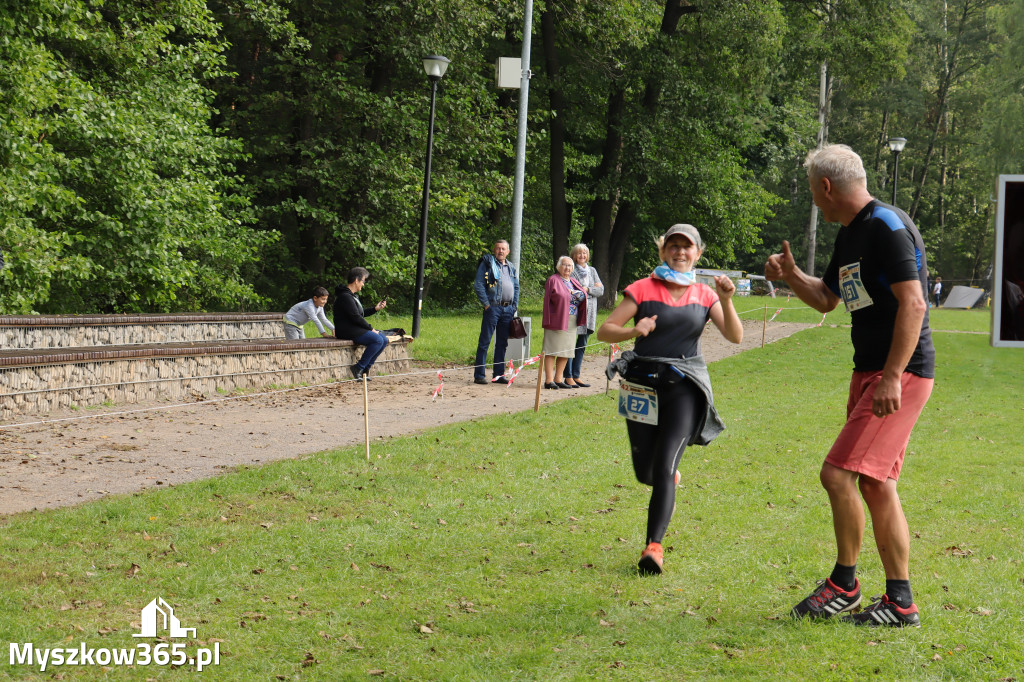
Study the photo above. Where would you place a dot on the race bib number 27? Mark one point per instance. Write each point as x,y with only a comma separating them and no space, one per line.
855,294
638,403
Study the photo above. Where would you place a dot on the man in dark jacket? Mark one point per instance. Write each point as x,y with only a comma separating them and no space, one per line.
497,287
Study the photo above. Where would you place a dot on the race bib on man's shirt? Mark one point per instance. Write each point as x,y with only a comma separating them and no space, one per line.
855,294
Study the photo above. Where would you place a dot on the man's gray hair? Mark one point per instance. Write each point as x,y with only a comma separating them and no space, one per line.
837,162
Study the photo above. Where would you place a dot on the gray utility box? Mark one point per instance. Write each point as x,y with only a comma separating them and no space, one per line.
519,349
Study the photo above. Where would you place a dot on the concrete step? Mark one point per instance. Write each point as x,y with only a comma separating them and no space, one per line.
38,381
34,332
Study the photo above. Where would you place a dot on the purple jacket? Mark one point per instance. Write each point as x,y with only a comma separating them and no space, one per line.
556,304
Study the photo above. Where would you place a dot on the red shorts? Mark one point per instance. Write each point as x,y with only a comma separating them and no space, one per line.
875,446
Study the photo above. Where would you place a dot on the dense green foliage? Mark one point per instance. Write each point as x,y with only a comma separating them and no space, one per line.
115,193
204,154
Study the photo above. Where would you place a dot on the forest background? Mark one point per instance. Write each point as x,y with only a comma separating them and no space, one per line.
169,155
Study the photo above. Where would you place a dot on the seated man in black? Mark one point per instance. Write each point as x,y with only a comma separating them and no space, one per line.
350,321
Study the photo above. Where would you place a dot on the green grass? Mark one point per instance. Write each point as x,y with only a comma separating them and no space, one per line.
513,540
451,339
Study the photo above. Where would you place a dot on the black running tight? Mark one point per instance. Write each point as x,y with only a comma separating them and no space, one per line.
657,449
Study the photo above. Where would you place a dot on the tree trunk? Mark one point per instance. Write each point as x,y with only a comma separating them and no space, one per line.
612,229
950,61
602,210
559,207
824,100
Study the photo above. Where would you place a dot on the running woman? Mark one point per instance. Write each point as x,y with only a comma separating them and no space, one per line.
669,310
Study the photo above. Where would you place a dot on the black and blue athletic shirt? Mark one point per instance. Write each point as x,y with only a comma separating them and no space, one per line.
885,244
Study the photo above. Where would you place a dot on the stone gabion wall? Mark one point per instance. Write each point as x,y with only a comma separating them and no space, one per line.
35,338
43,388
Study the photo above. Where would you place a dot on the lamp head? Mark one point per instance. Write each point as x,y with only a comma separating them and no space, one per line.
435,66
896,144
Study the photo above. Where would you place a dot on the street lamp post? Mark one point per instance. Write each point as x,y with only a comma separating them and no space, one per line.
896,144
435,66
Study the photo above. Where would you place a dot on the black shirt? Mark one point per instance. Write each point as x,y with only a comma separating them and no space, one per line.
880,247
349,314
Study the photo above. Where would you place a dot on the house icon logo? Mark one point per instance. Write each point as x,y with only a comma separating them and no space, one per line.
159,615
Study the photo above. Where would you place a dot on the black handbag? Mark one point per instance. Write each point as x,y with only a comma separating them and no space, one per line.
516,328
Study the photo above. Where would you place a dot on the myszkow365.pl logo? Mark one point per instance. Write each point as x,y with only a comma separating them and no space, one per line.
158,616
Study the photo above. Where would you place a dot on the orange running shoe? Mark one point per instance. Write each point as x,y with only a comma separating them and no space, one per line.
651,560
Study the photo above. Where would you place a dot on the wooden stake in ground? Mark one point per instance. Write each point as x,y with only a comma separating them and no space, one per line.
607,380
540,380
366,415
764,328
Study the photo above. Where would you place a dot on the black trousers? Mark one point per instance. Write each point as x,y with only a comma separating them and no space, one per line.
657,449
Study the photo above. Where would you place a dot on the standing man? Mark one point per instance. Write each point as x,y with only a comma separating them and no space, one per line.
937,290
497,287
880,272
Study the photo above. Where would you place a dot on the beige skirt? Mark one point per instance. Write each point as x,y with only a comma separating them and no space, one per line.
561,344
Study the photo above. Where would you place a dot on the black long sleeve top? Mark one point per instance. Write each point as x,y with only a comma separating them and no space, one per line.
350,315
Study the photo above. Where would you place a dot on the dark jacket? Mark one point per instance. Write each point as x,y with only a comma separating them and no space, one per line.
487,284
350,314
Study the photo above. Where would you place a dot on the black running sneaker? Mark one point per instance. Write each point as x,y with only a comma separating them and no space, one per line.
885,612
828,600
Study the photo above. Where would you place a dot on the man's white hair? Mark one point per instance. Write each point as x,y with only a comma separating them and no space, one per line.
837,162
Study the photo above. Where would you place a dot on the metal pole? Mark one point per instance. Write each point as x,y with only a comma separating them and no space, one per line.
895,175
421,261
524,98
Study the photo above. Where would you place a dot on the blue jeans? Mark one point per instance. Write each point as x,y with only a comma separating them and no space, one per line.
496,318
572,368
375,343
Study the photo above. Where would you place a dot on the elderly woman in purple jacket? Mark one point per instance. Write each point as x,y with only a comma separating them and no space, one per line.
565,301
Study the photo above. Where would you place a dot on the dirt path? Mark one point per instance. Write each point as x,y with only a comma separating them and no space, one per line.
93,453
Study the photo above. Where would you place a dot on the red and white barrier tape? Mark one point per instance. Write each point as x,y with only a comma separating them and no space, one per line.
532,360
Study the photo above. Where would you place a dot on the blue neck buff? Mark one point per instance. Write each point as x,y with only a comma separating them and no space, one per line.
666,273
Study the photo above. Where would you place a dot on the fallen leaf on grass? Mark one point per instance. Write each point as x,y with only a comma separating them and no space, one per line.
132,571
375,672
982,612
425,629
309,660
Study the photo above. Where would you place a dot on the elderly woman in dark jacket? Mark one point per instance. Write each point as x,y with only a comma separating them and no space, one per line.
565,301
